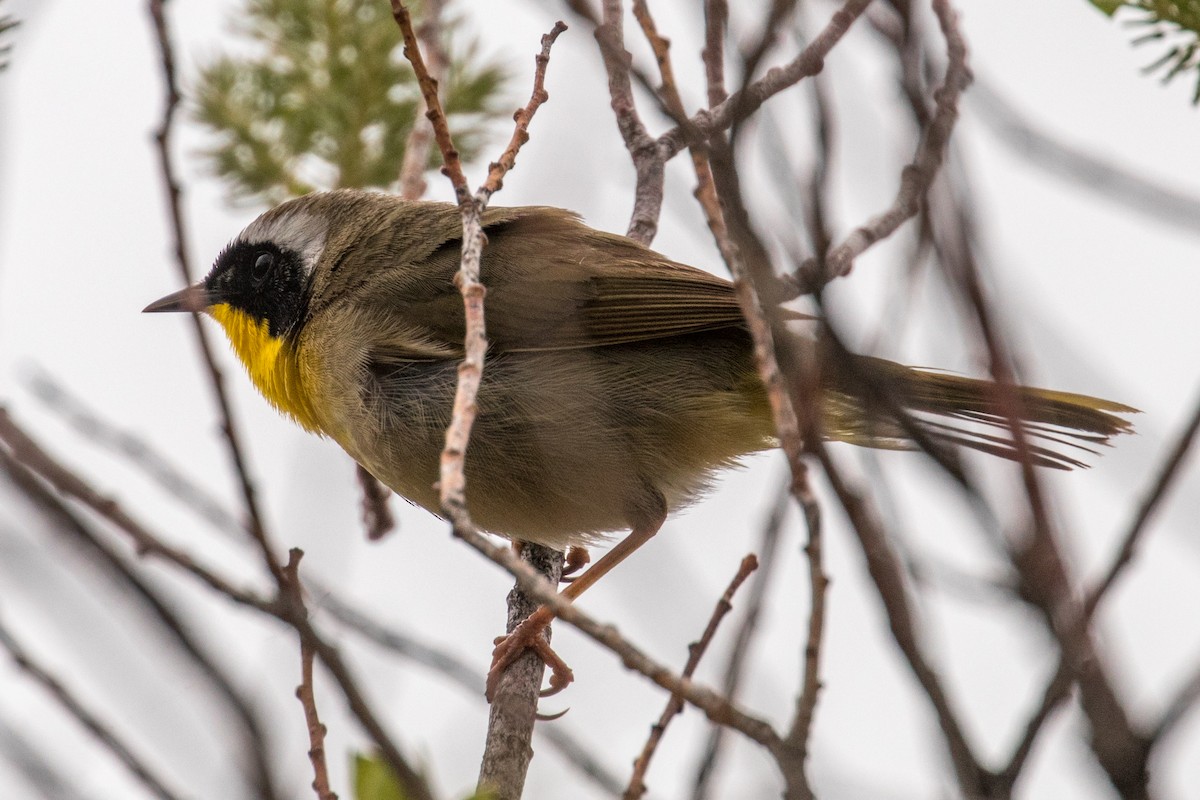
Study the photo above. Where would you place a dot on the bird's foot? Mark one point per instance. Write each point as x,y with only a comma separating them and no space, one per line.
577,558
529,635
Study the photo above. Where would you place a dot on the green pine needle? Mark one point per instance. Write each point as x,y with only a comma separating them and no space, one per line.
1173,23
325,100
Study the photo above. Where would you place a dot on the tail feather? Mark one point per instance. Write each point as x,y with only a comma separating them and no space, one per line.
878,403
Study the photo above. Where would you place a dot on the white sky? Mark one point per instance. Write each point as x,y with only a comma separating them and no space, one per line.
1100,299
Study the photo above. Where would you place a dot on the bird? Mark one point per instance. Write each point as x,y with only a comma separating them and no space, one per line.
618,383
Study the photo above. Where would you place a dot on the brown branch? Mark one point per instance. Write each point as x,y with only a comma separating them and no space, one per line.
451,163
305,693
163,137
65,522
696,650
376,514
918,176
28,453
806,704
716,22
420,138
886,573
714,705
749,99
1158,490
648,163
523,116
739,651
510,725
107,737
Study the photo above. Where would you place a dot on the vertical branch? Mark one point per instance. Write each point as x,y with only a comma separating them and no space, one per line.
507,754
510,724
305,692
696,651
174,194
647,161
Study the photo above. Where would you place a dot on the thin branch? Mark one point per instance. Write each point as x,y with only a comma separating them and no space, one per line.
1158,490
420,138
107,737
376,514
888,577
28,453
451,163
806,704
159,468
523,116
739,651
506,756
917,177
716,22
696,650
746,101
163,137
66,522
647,161
305,693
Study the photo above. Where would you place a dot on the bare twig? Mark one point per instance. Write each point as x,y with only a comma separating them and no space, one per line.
107,737
159,468
917,177
506,751
420,138
451,163
179,233
28,453
739,651
696,650
647,162
522,117
65,522
305,692
377,515
806,704
888,577
1058,157
716,22
746,101
1149,505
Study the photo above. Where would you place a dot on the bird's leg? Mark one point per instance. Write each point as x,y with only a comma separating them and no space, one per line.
530,633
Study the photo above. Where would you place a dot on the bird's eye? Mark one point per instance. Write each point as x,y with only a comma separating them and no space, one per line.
262,266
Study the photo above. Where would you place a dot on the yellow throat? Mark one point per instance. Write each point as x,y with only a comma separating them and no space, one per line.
272,362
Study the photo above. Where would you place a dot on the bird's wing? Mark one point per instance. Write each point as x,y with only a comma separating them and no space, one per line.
554,284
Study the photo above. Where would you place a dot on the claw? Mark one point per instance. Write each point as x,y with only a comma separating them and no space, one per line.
577,558
540,717
529,635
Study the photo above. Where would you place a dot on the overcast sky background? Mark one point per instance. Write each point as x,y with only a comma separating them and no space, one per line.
1098,299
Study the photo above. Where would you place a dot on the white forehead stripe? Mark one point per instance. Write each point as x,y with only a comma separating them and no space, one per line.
295,230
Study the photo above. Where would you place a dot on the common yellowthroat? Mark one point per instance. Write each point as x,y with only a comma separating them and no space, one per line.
618,382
